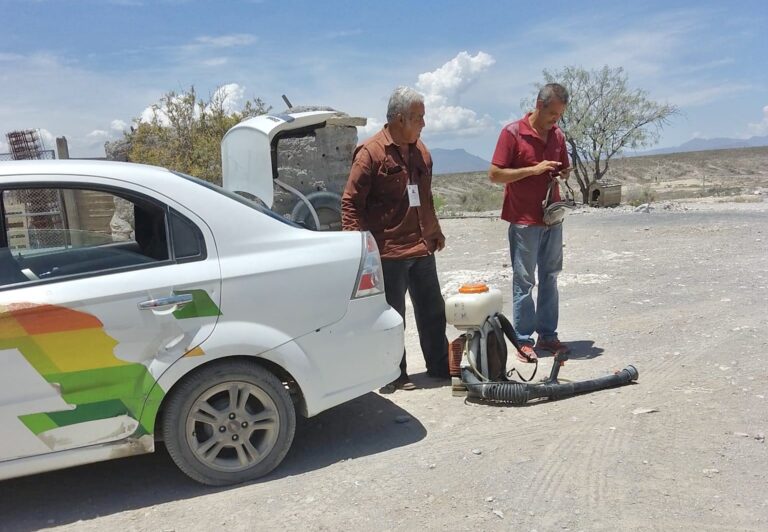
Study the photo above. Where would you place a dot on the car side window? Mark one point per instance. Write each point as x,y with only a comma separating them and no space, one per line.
188,241
62,232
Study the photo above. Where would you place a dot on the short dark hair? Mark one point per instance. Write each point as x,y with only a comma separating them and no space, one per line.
552,91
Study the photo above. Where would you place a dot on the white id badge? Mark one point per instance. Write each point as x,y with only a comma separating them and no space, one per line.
413,195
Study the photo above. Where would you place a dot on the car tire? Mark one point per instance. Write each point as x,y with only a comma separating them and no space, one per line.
229,422
327,205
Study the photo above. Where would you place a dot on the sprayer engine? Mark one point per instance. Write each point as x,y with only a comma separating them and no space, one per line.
478,358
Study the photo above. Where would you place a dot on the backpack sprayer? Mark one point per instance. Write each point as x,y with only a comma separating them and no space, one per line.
478,357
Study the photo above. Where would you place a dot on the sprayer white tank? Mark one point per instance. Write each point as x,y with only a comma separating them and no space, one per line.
472,305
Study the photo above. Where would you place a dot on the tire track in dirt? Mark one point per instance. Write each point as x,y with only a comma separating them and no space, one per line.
578,461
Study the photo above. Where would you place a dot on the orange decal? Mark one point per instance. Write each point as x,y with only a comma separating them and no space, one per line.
44,319
196,352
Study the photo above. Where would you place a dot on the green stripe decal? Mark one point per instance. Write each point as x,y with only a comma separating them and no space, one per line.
202,305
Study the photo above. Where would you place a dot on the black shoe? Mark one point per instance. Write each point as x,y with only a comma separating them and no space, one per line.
442,375
387,389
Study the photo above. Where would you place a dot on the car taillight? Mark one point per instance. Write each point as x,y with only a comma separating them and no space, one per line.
370,277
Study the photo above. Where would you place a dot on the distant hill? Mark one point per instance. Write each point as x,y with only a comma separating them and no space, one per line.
707,144
454,161
668,176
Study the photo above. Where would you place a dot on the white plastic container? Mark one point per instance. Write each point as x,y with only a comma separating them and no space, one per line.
472,305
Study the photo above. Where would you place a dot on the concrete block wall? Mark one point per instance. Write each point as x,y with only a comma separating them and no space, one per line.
318,161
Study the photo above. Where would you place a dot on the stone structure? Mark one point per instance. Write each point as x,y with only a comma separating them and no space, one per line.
121,224
316,164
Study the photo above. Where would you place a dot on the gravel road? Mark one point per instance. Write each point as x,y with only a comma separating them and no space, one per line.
680,292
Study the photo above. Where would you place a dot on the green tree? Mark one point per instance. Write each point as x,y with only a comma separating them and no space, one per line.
603,118
185,132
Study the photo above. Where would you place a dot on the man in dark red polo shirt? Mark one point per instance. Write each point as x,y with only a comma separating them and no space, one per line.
389,193
528,153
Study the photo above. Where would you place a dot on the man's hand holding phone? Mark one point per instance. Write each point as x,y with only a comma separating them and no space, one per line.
547,166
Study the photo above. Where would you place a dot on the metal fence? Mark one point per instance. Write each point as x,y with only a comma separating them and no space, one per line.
42,154
35,218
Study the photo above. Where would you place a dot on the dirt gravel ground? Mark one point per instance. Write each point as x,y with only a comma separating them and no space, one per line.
680,292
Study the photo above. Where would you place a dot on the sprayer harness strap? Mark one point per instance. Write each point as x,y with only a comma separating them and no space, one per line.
500,321
556,180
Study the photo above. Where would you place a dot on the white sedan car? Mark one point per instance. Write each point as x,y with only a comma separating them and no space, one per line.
139,304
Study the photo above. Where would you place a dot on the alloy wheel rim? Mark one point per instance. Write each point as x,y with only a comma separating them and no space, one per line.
232,426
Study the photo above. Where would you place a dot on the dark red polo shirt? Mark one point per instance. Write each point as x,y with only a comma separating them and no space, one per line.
375,198
520,146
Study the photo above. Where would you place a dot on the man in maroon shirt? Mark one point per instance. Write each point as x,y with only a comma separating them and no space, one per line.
389,193
528,153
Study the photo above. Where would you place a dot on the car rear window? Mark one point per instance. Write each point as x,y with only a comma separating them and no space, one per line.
255,204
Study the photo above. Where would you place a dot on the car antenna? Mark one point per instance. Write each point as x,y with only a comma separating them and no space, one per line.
287,101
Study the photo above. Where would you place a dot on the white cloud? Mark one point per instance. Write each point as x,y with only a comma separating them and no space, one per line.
118,125
760,128
444,87
343,34
227,41
82,101
513,117
98,134
372,126
215,61
159,111
4,147
10,57
672,54
232,100
152,112
232,96
49,141
688,96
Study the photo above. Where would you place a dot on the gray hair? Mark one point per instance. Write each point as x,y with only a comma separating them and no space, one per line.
401,100
553,91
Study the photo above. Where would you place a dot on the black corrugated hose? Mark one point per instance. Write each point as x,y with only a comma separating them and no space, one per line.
519,393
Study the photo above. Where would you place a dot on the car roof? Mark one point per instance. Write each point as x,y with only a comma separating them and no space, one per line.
141,174
189,192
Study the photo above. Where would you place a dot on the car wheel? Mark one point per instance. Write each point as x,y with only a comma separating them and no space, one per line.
228,423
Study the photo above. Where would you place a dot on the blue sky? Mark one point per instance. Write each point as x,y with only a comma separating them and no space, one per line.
85,69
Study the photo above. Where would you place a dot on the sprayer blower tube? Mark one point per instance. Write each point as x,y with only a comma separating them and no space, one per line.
518,393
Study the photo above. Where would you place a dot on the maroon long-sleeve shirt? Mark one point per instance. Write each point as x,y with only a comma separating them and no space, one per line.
376,197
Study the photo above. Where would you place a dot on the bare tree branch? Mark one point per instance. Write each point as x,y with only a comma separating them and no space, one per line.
604,117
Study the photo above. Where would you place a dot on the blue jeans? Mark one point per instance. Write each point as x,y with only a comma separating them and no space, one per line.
532,246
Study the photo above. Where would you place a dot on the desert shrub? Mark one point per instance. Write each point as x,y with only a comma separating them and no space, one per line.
741,199
480,199
720,190
439,202
185,132
639,196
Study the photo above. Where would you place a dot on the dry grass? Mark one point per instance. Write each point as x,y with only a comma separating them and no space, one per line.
731,174
741,199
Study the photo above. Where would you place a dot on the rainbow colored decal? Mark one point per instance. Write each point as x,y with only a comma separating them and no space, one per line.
71,350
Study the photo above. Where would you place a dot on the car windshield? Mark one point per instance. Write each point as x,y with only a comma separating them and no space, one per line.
257,204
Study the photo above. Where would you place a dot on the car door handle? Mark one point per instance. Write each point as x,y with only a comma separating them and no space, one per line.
177,300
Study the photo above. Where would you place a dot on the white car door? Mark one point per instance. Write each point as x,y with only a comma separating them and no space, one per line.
101,288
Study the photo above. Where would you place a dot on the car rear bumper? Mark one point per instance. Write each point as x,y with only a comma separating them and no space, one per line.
353,356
